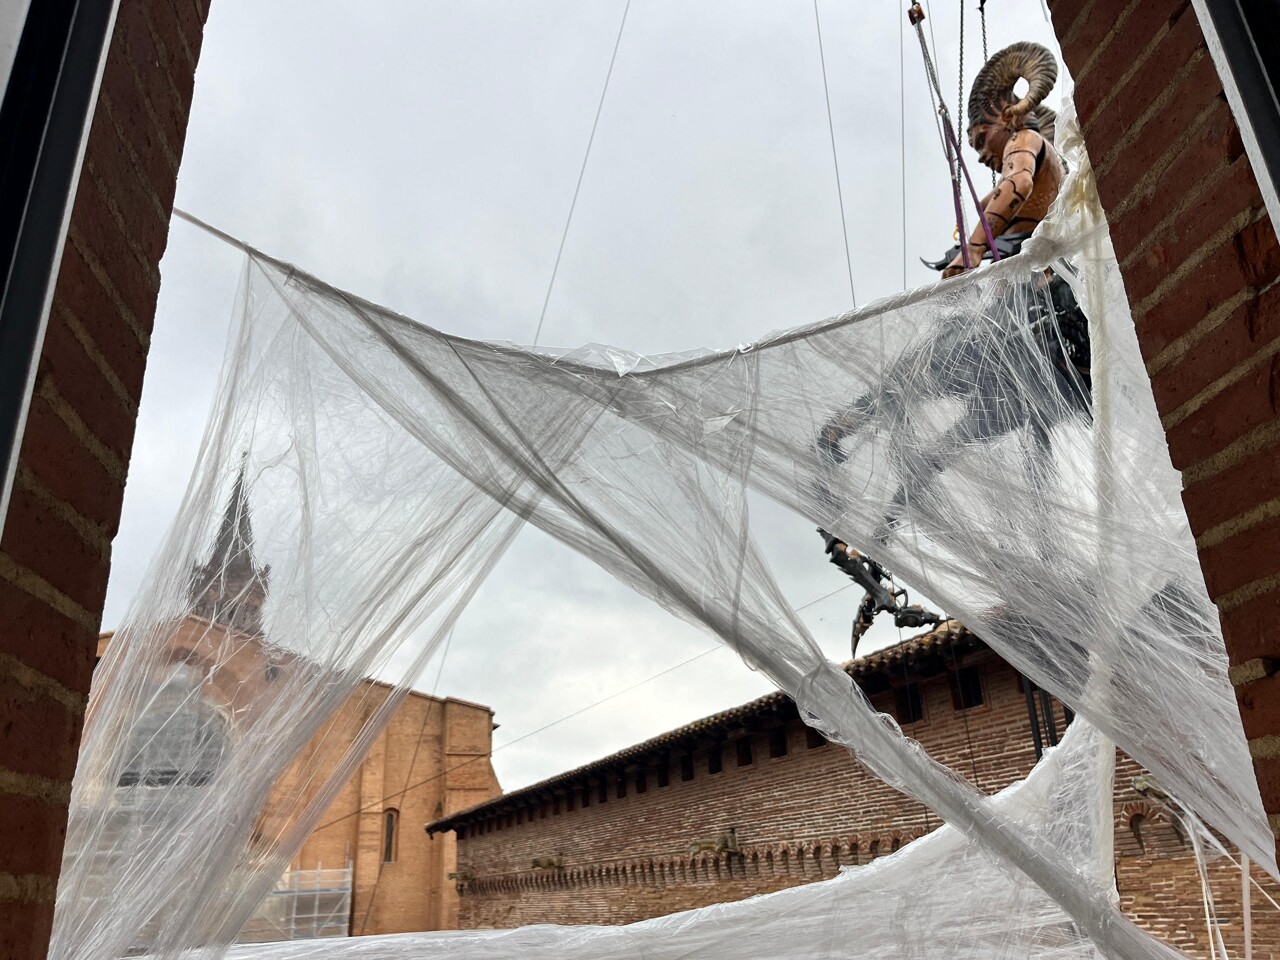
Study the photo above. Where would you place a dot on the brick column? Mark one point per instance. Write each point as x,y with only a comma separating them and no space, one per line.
1200,263
67,494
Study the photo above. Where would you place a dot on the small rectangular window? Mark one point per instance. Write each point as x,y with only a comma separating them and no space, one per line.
602,791
778,742
568,803
542,810
621,790
664,774
586,797
908,705
745,759
555,806
813,739
642,782
519,816
966,688
686,767
715,759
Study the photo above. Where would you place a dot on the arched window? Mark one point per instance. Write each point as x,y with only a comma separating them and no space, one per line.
1136,823
179,741
390,825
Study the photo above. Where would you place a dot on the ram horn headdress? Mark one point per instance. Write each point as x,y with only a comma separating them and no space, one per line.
993,87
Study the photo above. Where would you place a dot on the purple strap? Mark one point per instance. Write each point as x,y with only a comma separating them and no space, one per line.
952,145
953,158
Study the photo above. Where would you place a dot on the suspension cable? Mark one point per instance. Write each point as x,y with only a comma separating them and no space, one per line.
982,16
916,15
417,746
960,71
951,146
902,137
964,715
482,757
564,234
911,727
835,160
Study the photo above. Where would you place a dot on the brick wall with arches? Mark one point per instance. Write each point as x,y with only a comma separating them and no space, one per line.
750,801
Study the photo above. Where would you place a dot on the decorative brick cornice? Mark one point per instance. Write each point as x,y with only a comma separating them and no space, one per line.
801,860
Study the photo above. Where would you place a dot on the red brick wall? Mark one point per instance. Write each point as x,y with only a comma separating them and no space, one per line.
1200,262
801,817
1160,886
75,454
797,818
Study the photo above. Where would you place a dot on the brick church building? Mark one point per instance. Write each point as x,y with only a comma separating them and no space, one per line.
357,873
750,800
1174,123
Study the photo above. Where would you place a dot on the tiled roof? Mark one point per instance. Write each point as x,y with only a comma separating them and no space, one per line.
890,660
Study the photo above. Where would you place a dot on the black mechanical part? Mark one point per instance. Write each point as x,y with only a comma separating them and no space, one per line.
880,596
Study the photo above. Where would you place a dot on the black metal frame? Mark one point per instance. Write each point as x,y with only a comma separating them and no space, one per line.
44,121
1242,28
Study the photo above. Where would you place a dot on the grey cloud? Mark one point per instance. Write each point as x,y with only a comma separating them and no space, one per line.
424,154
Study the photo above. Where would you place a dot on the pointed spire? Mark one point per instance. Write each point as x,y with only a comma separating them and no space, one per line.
233,546
229,588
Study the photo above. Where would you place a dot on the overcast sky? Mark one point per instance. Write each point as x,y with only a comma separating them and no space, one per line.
423,155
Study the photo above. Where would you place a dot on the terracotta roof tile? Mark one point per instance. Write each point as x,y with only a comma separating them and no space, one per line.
885,661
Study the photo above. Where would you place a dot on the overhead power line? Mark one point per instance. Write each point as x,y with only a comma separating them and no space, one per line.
378,804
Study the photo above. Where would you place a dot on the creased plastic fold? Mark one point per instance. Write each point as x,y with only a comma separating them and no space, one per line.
941,896
386,464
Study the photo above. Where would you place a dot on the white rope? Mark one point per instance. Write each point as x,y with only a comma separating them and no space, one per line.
1212,926
1246,906
1176,809
1242,865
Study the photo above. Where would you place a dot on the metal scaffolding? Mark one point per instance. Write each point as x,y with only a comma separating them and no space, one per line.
305,905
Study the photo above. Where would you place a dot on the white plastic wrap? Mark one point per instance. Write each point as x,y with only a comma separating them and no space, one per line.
901,907
387,464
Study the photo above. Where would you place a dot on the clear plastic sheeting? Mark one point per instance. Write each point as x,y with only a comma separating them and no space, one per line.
385,465
941,896
305,905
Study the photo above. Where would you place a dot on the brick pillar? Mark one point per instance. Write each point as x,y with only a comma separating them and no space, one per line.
1200,263
66,501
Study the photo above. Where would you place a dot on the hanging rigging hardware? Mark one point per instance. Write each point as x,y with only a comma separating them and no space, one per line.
958,171
882,594
1034,712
